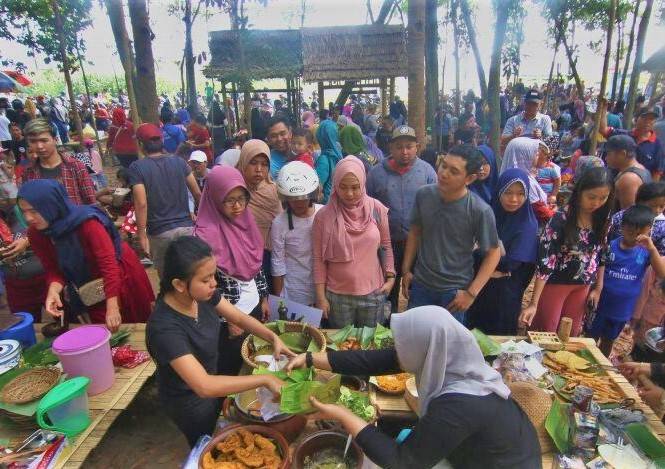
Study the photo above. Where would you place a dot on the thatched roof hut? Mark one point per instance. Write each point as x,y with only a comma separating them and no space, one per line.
268,54
316,54
353,52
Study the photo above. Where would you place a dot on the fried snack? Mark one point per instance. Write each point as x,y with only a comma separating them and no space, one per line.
264,443
569,359
393,383
229,444
604,390
243,450
351,343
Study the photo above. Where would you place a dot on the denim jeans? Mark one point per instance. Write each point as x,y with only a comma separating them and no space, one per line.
420,295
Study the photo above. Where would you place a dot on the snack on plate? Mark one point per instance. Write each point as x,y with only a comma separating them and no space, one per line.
605,391
569,359
241,450
392,383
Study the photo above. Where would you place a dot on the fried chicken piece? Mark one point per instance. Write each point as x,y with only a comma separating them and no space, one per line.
273,462
264,443
247,437
208,461
230,465
250,458
229,444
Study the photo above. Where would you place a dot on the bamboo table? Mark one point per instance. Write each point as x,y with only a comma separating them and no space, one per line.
104,407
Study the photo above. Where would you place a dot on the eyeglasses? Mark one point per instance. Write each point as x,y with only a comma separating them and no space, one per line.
230,203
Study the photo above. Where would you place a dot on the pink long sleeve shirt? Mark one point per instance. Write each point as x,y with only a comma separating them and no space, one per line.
364,274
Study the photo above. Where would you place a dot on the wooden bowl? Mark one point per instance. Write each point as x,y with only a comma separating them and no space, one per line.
247,350
322,440
274,435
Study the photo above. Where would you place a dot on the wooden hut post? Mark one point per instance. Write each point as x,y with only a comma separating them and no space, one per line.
384,103
223,83
392,89
322,99
247,111
234,89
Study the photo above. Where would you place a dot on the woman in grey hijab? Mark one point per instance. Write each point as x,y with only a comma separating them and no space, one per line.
466,415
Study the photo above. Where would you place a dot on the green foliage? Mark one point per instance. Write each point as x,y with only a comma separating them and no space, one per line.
31,23
52,83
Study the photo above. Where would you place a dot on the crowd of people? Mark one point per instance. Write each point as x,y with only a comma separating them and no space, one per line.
346,211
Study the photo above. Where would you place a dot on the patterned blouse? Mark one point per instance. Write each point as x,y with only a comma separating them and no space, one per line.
563,264
229,288
657,232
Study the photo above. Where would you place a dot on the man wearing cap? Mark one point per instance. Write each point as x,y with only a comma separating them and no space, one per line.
159,187
530,122
394,182
649,150
198,161
621,156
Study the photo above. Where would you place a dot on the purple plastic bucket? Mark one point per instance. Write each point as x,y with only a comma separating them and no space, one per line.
86,351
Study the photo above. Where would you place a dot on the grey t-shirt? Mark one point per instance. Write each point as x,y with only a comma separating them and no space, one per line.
166,189
449,233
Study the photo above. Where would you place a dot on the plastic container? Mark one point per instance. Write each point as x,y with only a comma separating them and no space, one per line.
85,351
24,331
10,354
65,407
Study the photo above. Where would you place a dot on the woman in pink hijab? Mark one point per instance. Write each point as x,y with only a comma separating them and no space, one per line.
354,269
226,224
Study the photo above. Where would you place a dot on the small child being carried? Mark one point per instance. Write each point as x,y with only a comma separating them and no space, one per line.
302,145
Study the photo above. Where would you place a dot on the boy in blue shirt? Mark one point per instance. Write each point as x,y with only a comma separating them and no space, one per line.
627,259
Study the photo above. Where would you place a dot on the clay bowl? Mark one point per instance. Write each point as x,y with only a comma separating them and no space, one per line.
274,435
319,441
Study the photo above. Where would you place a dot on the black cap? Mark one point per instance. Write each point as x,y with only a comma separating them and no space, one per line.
645,111
533,96
621,142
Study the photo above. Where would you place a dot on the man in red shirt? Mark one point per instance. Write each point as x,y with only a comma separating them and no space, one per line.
50,164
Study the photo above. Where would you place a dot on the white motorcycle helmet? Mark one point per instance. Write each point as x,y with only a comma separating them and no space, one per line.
297,181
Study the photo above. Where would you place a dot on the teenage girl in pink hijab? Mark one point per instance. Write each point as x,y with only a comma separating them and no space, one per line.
353,260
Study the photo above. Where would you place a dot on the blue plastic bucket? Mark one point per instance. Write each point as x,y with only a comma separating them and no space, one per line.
24,331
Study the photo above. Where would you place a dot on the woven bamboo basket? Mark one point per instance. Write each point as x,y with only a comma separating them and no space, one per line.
536,404
247,350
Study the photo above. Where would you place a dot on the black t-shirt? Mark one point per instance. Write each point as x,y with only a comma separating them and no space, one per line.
50,173
170,335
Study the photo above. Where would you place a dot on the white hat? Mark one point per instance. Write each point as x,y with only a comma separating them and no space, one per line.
297,180
229,158
198,156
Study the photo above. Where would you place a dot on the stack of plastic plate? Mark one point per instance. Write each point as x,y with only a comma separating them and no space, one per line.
10,353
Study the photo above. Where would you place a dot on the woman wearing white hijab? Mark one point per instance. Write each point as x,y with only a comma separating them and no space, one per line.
466,414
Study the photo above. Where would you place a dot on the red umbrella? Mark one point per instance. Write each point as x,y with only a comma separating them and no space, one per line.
19,77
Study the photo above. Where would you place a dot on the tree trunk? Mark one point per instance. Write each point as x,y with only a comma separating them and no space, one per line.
603,79
189,57
62,44
615,77
146,84
416,55
629,52
456,40
117,18
431,62
494,83
386,7
573,67
471,30
637,65
548,90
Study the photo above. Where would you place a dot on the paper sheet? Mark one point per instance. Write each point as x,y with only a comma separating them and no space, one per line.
272,364
269,409
522,346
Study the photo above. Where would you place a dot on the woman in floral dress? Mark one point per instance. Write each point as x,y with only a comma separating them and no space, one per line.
569,272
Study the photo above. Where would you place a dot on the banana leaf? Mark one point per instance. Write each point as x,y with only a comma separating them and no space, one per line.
557,425
383,337
39,354
296,341
341,335
295,396
119,337
296,376
488,346
366,337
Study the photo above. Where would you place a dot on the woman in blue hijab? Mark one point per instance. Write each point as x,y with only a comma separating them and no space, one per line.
330,155
78,244
498,305
486,183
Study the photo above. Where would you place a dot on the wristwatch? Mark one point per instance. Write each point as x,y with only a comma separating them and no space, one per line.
309,360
